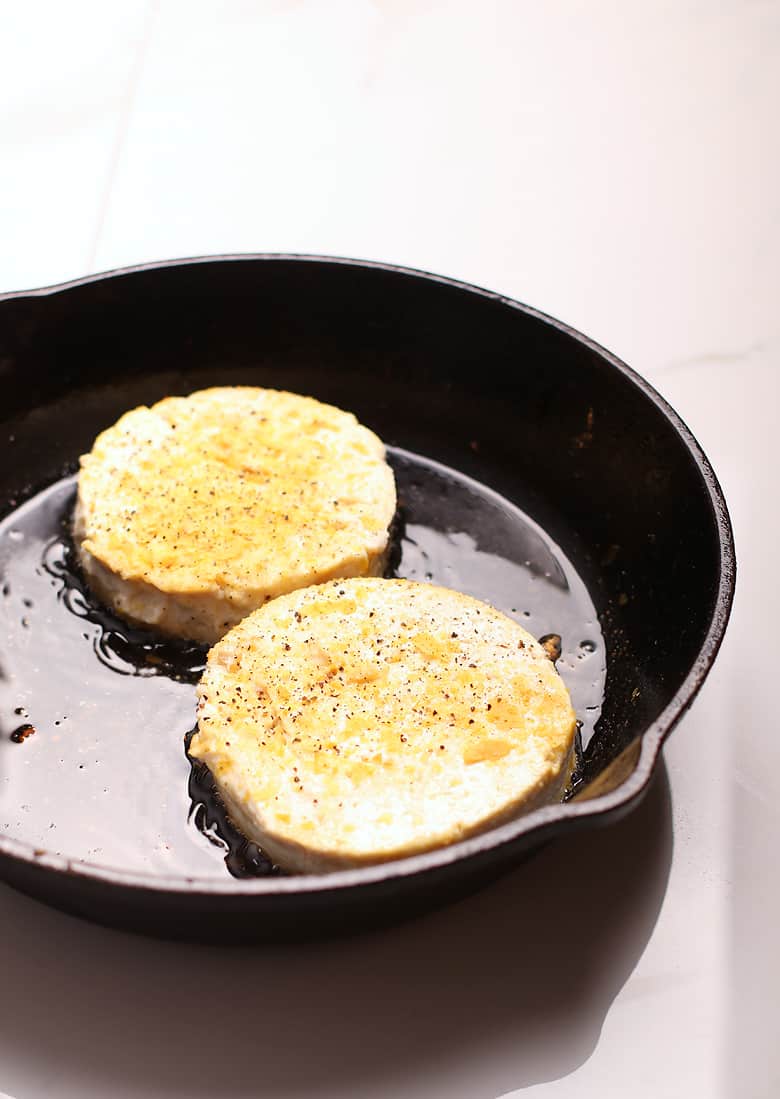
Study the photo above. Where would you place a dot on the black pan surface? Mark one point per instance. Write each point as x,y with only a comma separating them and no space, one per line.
534,470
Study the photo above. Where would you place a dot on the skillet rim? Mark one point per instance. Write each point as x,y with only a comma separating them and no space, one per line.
537,826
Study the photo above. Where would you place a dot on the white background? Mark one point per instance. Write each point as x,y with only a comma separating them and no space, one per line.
614,163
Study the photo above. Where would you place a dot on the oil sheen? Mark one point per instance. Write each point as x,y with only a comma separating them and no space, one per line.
95,716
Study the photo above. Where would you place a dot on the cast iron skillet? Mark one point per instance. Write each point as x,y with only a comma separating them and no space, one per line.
502,394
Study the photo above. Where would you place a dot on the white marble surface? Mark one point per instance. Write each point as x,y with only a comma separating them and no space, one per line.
616,164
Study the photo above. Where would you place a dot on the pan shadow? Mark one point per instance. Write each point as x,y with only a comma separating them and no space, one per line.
504,990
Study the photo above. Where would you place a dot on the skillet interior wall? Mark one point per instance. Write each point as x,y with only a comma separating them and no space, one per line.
460,377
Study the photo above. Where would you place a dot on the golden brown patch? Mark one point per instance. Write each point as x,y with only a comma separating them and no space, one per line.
485,750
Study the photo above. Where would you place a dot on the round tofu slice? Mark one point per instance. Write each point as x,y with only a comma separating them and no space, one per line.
366,720
196,511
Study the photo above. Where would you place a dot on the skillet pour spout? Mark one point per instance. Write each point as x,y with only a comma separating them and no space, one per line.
498,420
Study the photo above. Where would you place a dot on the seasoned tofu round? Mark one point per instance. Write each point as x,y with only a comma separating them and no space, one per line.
364,720
196,511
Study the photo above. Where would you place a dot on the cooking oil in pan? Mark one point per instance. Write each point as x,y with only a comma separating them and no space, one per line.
95,716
